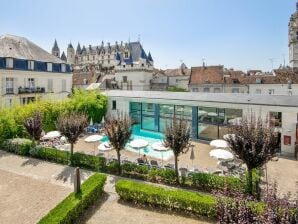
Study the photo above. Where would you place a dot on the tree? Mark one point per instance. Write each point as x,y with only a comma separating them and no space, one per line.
33,126
118,130
71,125
177,138
254,142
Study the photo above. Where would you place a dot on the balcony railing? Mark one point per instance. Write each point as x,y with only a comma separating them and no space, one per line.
24,90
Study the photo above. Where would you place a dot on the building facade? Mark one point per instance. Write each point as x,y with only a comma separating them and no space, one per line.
209,115
293,39
29,73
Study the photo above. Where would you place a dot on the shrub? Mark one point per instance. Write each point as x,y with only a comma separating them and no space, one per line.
20,146
67,211
209,182
89,162
167,176
50,154
146,194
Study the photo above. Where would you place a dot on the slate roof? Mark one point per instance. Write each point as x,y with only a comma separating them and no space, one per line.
22,48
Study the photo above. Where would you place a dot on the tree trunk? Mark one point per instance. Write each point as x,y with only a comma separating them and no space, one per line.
119,161
71,154
249,181
176,168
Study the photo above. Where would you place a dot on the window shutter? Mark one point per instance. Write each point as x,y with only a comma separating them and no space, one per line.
15,85
3,86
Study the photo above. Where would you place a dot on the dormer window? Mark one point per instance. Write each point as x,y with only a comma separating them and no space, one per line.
63,68
30,65
9,62
126,54
49,67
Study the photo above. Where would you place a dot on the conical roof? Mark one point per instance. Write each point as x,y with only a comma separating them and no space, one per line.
21,48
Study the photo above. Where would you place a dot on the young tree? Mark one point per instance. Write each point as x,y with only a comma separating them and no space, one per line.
254,142
33,126
118,130
177,138
71,126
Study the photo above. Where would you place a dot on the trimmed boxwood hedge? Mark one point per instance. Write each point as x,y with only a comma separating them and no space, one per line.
181,200
67,211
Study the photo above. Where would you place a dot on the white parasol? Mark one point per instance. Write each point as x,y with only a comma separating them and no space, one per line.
219,143
160,147
221,154
52,134
93,139
138,144
105,147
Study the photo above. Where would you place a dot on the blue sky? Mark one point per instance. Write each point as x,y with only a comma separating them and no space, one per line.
242,34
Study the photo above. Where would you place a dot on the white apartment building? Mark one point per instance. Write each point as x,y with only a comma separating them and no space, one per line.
28,72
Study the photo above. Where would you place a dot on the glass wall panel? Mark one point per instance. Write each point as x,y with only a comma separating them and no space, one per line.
148,109
148,117
207,115
184,112
166,110
208,131
135,112
232,115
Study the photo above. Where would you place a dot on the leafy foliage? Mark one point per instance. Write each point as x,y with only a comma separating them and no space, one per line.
33,126
176,89
118,130
253,142
71,126
67,211
177,138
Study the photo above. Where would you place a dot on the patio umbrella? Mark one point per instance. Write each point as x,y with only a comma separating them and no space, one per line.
93,139
235,121
160,147
219,143
202,112
192,155
138,144
221,154
105,147
52,134
212,114
91,122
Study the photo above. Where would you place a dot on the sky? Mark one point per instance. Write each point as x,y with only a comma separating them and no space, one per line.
239,34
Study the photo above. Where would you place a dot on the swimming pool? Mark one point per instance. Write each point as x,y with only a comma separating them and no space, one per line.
150,137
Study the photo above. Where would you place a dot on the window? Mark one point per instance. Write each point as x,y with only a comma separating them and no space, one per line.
63,67
287,140
271,91
49,67
85,81
31,65
235,90
50,85
206,90
114,105
124,78
63,85
217,90
123,66
9,85
258,91
275,119
31,83
109,61
9,63
126,54
195,89
93,57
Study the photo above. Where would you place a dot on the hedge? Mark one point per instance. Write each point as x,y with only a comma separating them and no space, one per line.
181,200
67,211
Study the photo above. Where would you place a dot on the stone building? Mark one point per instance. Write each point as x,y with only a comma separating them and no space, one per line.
28,72
293,39
118,66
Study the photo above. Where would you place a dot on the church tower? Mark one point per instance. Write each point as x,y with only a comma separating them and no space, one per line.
56,50
70,54
293,39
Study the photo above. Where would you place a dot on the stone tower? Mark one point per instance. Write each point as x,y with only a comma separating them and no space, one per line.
56,50
70,54
293,39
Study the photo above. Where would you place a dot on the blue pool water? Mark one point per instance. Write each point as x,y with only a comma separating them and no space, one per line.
150,137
